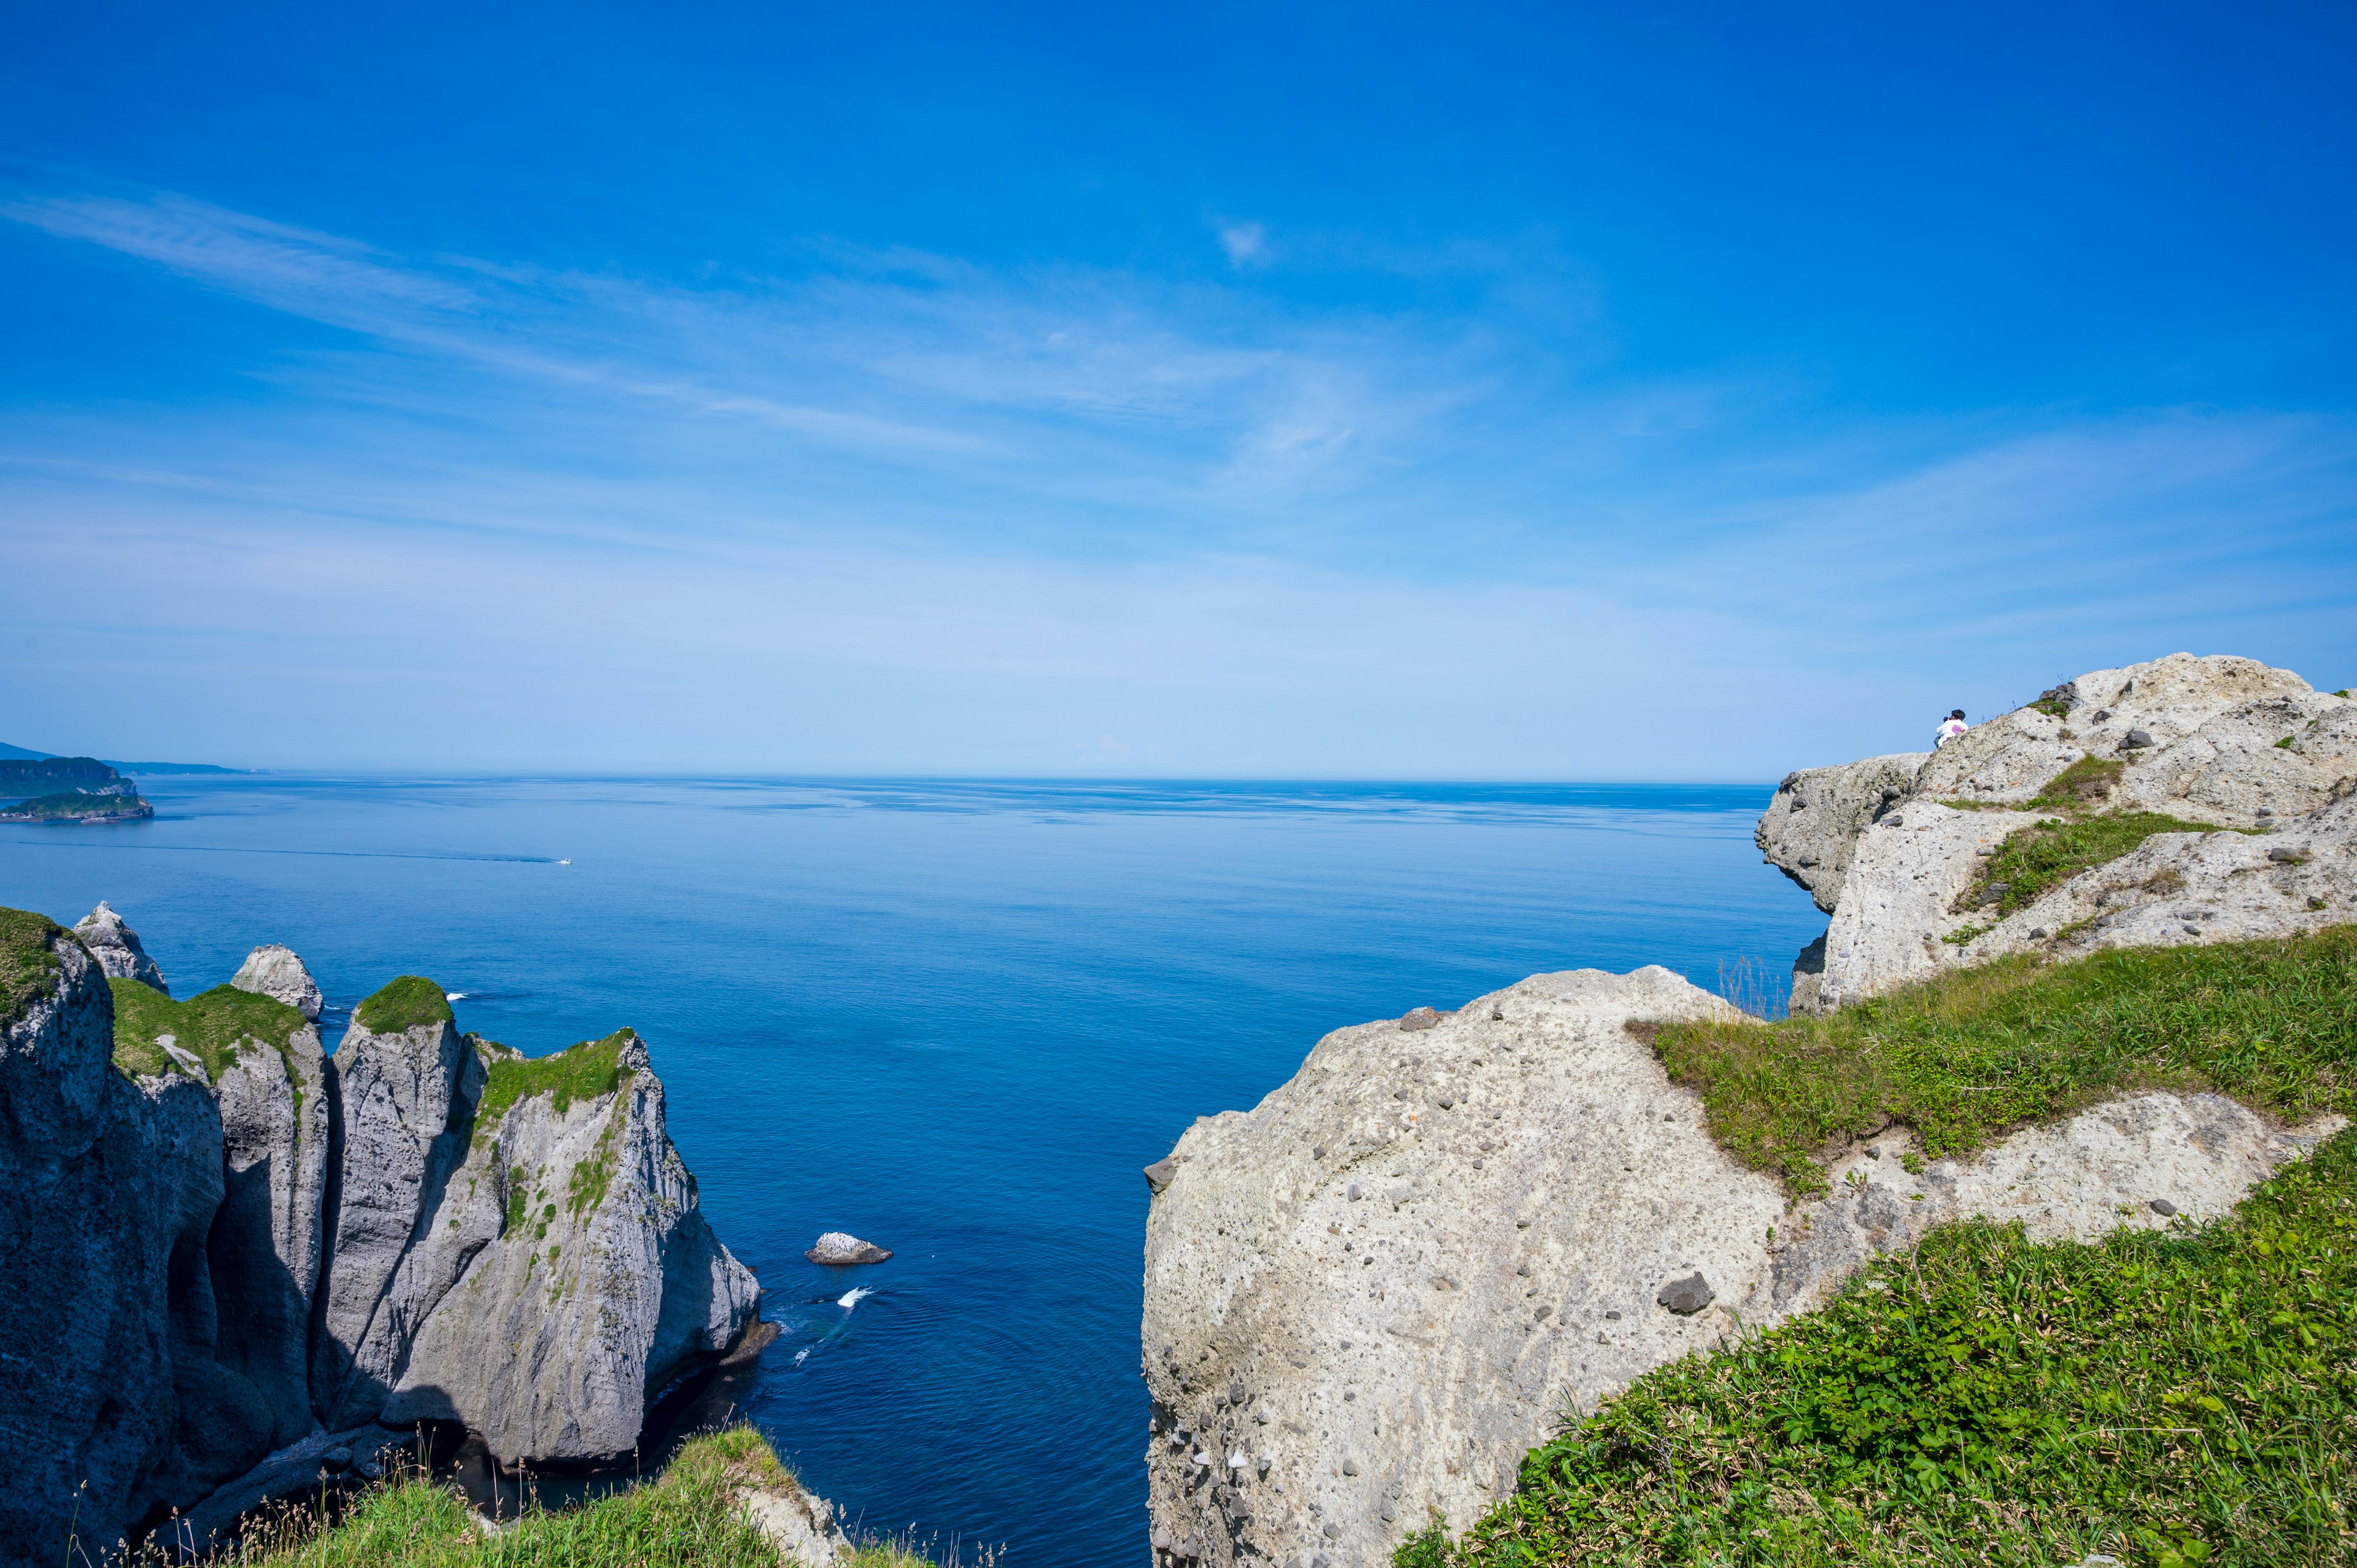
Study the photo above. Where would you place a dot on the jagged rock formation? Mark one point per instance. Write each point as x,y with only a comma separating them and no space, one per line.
116,947
1370,1296
217,1236
112,1400
278,973
569,1272
1890,847
406,1096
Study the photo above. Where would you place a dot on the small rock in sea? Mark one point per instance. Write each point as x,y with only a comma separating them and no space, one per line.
2136,741
1687,1296
2163,1208
1419,1018
837,1249
1159,1174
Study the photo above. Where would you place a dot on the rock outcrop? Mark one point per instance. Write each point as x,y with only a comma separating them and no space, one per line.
113,1402
116,947
567,1274
1371,1295
1890,847
839,1248
406,1097
278,973
218,1238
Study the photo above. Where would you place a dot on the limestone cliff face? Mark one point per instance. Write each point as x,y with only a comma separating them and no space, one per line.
257,1246
112,1400
406,1098
267,1239
572,1272
1372,1295
1891,849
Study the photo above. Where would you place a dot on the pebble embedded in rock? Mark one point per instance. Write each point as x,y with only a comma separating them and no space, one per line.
1350,1466
2163,1208
2136,741
1523,1272
2283,856
1611,1318
1687,1296
838,1249
1419,1018
1160,1173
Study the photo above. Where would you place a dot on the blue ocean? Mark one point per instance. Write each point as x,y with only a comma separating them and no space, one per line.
954,1018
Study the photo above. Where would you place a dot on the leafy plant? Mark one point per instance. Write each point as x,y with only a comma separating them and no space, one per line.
212,1025
2053,850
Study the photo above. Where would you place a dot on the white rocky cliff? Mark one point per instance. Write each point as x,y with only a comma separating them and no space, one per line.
1891,847
255,1246
1371,1295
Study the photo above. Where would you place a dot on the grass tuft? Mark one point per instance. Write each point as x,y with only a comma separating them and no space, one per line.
2169,1397
585,1071
1967,1054
2049,852
692,1516
402,1005
212,1025
28,961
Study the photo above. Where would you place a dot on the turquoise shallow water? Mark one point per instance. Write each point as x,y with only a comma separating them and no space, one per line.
953,1017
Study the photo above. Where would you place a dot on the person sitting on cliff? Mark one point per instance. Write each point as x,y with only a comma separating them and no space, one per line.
1950,728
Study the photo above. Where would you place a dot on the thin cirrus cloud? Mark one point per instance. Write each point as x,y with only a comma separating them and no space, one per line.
931,515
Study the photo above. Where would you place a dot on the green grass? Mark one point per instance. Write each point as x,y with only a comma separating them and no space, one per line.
2166,1397
584,1071
2049,852
692,1516
1966,1055
28,961
402,1005
210,1026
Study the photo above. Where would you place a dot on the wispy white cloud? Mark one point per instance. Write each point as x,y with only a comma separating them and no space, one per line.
934,515
1245,243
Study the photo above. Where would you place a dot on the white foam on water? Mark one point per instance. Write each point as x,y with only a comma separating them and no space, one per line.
852,1299
454,997
806,1350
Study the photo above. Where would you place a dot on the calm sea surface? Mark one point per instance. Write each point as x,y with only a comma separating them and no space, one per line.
952,1017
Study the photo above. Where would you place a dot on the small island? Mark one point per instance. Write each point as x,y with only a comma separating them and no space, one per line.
68,790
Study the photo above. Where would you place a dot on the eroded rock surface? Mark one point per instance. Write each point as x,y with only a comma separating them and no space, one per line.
567,1275
278,973
1372,1295
116,947
1890,851
405,1100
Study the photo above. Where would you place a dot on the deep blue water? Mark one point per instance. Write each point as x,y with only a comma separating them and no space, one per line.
954,1018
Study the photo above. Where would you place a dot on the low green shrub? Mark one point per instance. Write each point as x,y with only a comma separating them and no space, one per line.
2168,1398
585,1071
28,961
1963,1056
403,1003
211,1025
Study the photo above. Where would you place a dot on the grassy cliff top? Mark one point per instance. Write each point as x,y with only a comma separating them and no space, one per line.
2166,1398
403,1003
210,1026
28,968
586,1071
1966,1055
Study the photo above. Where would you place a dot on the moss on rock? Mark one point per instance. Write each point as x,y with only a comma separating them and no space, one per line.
403,1003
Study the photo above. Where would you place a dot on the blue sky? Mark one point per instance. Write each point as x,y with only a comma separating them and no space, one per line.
1626,392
